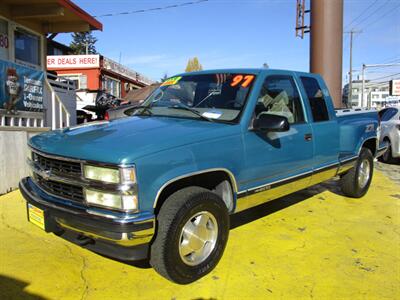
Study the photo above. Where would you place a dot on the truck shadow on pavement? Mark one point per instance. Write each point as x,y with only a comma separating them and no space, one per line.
273,206
11,288
266,209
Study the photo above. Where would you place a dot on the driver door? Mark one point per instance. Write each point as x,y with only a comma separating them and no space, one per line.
277,163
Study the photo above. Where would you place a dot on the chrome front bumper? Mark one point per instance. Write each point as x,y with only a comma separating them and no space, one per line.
126,231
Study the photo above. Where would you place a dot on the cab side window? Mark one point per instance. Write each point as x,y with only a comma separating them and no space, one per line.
315,98
279,96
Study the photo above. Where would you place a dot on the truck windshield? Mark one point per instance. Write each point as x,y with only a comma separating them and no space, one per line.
209,97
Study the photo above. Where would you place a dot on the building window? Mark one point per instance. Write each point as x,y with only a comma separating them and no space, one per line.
57,51
27,47
112,86
80,81
4,41
74,79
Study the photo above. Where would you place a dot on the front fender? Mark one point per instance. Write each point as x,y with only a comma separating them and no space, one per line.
156,171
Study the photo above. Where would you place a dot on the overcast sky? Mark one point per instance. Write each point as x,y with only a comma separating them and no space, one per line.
243,33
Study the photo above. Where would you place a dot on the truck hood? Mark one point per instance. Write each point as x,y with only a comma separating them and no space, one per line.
122,141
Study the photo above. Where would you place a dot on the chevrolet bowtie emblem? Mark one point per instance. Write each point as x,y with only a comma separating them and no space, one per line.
46,174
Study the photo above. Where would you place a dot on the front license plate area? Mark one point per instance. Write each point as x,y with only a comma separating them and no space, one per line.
36,216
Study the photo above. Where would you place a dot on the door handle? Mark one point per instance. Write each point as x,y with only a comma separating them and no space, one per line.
308,137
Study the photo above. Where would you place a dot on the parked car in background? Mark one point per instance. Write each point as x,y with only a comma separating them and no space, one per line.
83,117
119,112
162,183
390,132
132,99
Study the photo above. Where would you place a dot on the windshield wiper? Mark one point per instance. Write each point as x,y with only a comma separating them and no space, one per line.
187,108
212,93
146,108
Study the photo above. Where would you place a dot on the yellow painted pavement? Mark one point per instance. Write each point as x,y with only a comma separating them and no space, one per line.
314,244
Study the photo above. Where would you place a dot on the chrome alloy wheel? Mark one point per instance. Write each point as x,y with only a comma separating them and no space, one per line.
198,238
363,173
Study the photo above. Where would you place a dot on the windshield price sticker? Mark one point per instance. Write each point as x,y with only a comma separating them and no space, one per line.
243,80
171,81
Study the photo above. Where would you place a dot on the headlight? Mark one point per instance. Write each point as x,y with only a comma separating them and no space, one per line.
101,174
123,175
128,202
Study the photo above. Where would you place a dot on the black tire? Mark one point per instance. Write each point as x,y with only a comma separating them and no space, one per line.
179,209
350,183
387,155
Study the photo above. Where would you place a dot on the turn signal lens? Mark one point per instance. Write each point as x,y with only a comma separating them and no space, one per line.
128,175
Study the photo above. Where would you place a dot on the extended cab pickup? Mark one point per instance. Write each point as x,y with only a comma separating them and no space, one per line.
162,183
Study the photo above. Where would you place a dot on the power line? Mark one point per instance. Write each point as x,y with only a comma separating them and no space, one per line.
365,10
383,77
376,10
151,9
391,59
390,11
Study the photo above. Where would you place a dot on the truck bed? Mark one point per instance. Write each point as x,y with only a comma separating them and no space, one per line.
353,124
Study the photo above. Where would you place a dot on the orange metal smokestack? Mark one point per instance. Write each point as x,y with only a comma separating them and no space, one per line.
326,44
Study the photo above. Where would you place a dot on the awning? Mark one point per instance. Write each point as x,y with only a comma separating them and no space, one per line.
140,94
51,16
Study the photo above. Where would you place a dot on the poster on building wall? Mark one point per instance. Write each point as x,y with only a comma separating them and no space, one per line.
394,87
21,88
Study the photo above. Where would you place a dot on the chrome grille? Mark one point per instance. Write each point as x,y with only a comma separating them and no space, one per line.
68,191
57,166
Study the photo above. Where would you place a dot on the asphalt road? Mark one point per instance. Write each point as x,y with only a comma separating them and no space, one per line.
314,244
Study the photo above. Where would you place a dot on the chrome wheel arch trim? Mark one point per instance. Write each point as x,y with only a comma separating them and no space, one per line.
232,180
367,139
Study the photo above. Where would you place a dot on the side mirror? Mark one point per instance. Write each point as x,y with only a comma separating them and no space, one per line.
269,122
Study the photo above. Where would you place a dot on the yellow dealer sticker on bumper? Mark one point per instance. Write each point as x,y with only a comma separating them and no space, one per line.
36,216
171,81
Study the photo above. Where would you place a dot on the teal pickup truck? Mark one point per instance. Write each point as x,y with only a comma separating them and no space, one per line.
162,183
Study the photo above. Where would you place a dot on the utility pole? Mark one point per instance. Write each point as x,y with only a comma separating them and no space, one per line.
363,84
350,94
326,41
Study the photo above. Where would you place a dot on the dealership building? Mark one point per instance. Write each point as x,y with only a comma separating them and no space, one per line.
96,76
31,100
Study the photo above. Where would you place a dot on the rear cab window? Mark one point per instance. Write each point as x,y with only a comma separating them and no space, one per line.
316,99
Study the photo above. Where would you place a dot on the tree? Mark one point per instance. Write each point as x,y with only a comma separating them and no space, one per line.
165,77
193,65
81,41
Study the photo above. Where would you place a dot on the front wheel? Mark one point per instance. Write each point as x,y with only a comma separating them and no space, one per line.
192,232
355,183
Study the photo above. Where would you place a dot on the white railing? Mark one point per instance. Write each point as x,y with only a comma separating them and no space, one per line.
54,82
21,119
56,90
